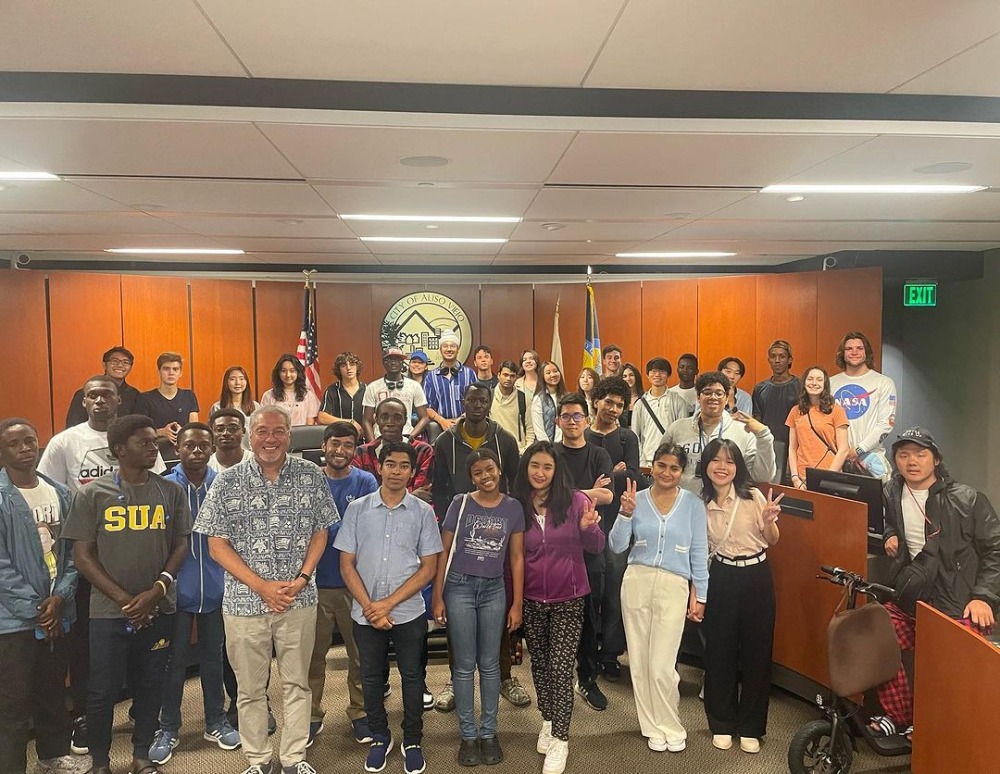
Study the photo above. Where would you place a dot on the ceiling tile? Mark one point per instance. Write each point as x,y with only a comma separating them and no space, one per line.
641,158
973,72
266,245
383,249
784,45
373,153
636,231
476,41
97,243
624,204
82,146
440,199
108,36
212,196
565,248
88,223
235,225
55,196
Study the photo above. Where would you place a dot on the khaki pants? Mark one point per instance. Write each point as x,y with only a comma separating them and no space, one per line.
654,603
249,640
334,613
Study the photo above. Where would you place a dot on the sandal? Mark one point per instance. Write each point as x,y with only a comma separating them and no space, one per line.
908,733
881,726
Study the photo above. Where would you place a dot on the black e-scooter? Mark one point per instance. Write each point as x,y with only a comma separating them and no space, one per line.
863,653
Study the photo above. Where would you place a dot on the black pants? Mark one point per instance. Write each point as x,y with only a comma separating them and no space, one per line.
739,634
603,636
407,640
142,657
32,688
79,650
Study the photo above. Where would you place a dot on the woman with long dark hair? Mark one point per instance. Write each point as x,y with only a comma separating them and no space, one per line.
633,378
586,382
289,390
479,533
236,392
817,428
560,524
545,404
739,618
666,582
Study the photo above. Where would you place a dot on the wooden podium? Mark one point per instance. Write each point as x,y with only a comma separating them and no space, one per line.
816,529
956,702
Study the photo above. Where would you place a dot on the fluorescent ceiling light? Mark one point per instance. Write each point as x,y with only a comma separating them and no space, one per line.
675,255
28,176
433,218
448,240
871,189
172,251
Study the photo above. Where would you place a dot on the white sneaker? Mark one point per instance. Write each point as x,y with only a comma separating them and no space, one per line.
656,744
544,737
749,744
722,741
555,758
677,746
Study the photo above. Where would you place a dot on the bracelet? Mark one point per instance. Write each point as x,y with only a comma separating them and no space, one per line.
170,578
796,475
625,515
162,585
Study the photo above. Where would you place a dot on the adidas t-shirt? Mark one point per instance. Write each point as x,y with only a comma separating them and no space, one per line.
79,455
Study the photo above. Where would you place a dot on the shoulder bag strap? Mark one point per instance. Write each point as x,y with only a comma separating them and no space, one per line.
656,419
829,449
454,541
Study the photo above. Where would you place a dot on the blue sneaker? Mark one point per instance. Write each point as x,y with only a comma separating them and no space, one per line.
315,726
224,735
378,752
413,759
362,734
162,748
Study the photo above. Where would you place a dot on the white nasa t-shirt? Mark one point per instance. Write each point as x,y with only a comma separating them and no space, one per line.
870,404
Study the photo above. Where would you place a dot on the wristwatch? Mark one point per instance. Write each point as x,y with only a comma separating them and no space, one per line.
303,575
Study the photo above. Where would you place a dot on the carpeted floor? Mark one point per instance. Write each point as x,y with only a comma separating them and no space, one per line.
600,742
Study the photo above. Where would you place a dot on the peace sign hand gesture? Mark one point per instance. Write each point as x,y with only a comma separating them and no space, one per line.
590,516
627,505
750,424
769,514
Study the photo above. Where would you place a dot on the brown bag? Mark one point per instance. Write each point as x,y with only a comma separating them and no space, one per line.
862,649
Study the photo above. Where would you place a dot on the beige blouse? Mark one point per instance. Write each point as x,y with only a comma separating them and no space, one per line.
746,537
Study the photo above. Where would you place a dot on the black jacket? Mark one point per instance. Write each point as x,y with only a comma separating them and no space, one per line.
450,453
969,543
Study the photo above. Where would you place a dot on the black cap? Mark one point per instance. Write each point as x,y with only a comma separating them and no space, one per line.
920,437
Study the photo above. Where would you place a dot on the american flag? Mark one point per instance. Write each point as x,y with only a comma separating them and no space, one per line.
308,351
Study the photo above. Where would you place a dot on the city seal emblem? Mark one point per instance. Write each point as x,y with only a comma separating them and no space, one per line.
417,320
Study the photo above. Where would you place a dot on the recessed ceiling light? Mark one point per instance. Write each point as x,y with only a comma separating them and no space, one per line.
424,161
435,218
446,240
796,198
27,176
553,226
432,225
944,168
171,251
872,189
688,254
290,221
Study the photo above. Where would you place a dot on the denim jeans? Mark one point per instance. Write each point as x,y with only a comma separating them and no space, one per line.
116,652
373,647
476,608
211,635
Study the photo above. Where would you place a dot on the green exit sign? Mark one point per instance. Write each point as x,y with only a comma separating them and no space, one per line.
920,294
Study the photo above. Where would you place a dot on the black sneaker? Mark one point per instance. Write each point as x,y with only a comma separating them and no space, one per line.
593,696
612,671
80,742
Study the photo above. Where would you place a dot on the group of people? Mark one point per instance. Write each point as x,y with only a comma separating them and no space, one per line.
594,522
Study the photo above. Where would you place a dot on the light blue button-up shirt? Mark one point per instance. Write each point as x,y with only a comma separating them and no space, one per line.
676,542
388,544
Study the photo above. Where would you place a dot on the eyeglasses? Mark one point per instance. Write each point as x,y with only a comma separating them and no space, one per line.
278,433
574,417
712,394
117,361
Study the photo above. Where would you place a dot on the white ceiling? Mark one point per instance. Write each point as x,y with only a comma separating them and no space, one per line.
275,183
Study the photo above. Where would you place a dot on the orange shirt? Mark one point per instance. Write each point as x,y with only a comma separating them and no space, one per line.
813,453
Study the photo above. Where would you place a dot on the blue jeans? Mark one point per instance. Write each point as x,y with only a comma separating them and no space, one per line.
116,653
211,636
476,609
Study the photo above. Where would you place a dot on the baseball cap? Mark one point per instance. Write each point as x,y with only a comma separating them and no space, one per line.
919,436
419,354
394,352
449,337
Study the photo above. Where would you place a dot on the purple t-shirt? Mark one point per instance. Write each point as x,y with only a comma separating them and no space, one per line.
483,536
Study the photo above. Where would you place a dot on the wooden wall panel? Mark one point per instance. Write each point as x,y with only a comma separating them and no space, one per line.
848,301
24,350
279,323
77,349
669,320
154,320
507,314
345,320
619,316
572,316
727,307
221,335
786,309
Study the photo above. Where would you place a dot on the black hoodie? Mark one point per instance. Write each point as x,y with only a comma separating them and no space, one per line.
450,454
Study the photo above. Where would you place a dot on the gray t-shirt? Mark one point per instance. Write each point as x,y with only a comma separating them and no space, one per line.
483,536
134,528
